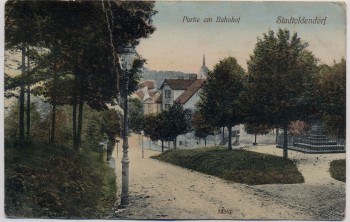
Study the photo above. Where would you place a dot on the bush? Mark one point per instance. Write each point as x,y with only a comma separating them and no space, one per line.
52,181
237,165
338,170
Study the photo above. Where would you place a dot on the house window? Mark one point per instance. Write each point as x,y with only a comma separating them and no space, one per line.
167,93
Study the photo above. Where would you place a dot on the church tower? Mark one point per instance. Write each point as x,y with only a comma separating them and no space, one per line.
203,72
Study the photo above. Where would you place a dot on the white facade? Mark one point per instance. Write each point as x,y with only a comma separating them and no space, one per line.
191,103
169,100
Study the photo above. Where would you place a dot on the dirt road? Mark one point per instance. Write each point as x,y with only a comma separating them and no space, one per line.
162,191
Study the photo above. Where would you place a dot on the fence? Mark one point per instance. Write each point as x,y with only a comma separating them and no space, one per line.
310,144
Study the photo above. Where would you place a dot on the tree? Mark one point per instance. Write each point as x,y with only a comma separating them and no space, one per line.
19,35
202,127
70,31
220,99
167,125
135,115
333,93
256,129
153,125
176,119
281,77
298,127
99,126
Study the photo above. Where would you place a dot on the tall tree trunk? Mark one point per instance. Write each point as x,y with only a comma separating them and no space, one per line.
162,146
277,133
285,141
80,120
21,97
75,145
175,143
223,135
54,100
53,120
255,139
229,138
28,103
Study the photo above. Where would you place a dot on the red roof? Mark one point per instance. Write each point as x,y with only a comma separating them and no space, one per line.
140,94
194,87
178,84
150,84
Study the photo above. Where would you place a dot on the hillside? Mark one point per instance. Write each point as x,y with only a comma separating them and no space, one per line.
53,181
159,76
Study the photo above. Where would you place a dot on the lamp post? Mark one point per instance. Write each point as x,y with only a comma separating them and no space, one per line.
126,56
142,133
117,147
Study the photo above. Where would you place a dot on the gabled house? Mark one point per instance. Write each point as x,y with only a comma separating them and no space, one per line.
148,95
148,100
190,97
180,91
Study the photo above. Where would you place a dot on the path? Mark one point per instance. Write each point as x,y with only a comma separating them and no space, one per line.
320,195
163,191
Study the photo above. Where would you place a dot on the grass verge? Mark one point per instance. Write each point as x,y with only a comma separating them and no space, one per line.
237,165
52,181
338,170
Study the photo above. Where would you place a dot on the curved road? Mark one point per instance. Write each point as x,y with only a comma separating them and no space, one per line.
163,191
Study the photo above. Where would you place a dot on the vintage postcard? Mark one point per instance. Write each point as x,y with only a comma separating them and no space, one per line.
175,110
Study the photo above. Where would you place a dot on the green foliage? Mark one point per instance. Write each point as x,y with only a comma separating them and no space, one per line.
167,125
281,80
333,93
152,124
256,129
52,181
110,124
338,170
201,126
40,126
75,62
136,118
238,165
176,121
281,86
220,99
221,102
99,126
97,27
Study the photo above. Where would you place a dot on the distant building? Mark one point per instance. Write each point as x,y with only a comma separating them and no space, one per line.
148,100
203,71
182,91
148,95
151,85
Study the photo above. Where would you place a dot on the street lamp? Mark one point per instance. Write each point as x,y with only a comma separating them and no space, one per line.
126,57
142,133
117,147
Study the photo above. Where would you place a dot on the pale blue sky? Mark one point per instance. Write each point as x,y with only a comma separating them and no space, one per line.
180,46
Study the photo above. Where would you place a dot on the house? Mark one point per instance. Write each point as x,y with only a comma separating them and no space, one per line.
148,94
183,91
180,91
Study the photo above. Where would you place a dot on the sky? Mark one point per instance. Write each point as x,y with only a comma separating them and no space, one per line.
179,46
